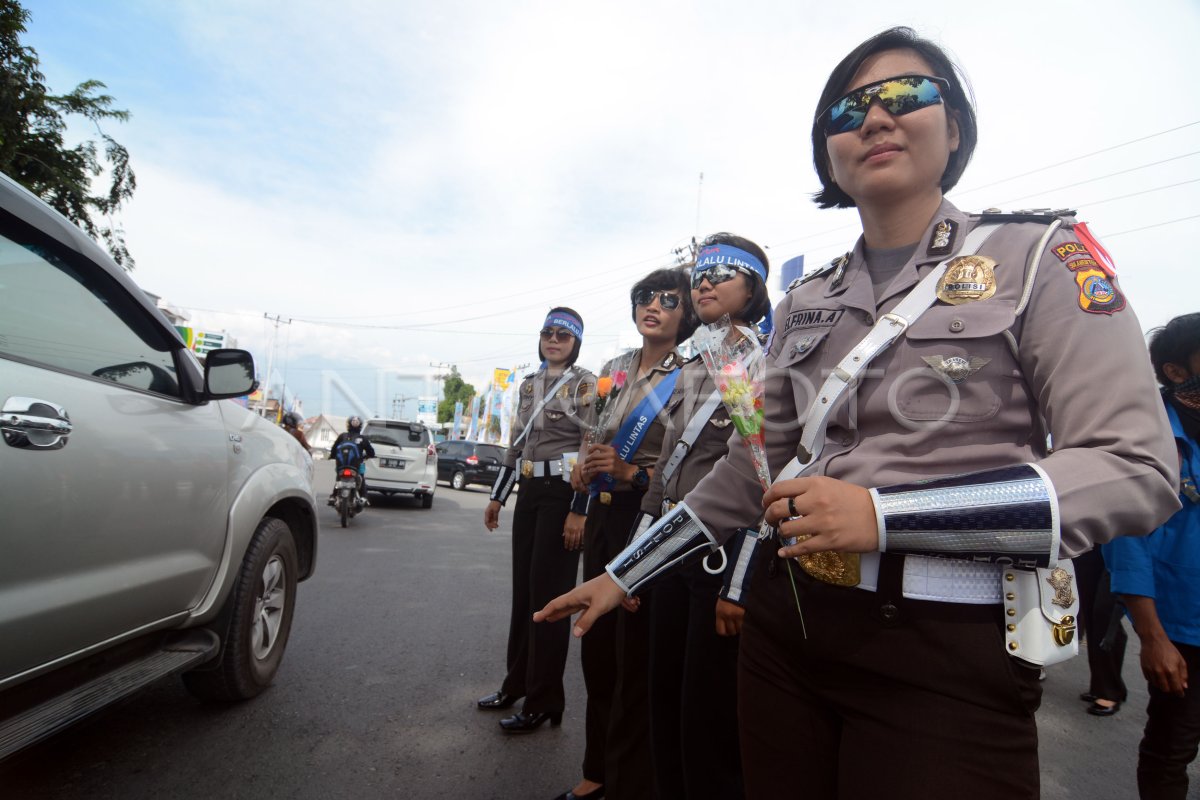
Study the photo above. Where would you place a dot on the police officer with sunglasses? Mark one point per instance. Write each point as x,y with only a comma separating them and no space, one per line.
918,572
697,610
616,471
554,411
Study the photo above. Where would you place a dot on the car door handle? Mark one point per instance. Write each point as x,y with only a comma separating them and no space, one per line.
34,424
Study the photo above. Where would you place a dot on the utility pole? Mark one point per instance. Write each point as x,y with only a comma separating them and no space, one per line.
276,321
402,399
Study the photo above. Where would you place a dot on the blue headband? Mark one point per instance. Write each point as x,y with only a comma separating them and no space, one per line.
715,254
569,322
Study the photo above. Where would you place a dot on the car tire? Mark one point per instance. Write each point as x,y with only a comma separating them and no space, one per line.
458,480
426,501
259,619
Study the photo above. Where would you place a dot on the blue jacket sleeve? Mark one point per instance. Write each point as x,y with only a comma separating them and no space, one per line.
1131,564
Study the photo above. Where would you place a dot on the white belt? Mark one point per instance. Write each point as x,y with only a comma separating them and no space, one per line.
943,580
541,469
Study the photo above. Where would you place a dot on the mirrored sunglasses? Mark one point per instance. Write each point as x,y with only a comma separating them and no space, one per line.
556,334
718,273
668,300
899,96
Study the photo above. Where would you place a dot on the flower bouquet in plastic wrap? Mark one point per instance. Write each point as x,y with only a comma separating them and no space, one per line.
734,358
608,387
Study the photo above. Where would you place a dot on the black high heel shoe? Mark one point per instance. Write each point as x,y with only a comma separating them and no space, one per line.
528,723
497,701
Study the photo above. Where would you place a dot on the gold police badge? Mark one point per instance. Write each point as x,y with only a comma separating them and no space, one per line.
967,279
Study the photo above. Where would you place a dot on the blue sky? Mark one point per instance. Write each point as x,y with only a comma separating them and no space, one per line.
456,168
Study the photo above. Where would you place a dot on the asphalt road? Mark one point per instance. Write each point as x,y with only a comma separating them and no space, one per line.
400,630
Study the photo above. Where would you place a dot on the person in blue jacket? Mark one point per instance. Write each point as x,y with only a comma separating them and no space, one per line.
1158,577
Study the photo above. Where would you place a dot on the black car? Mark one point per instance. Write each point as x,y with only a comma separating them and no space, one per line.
463,463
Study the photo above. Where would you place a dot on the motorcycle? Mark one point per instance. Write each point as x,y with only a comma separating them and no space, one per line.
347,499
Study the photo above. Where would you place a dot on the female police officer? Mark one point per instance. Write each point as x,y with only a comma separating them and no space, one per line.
616,760
898,682
693,669
553,413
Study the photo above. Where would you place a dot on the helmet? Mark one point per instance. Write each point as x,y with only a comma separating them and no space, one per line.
291,419
354,424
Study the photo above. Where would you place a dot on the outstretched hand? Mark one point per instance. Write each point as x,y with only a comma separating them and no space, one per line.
594,598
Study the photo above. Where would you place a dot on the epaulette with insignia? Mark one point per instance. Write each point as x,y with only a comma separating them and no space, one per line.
837,263
1042,215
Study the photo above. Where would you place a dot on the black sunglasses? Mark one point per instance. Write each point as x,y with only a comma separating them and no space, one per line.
556,334
668,300
718,273
899,96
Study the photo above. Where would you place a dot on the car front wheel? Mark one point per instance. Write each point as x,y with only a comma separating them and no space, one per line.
459,480
259,619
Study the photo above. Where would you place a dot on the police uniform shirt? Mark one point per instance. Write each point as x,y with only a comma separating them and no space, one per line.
963,388
636,389
695,385
562,422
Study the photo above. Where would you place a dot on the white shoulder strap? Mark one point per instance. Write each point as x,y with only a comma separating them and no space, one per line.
887,330
566,376
690,434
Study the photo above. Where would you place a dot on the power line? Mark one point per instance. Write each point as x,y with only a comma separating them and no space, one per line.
1148,227
1080,158
1103,177
1135,194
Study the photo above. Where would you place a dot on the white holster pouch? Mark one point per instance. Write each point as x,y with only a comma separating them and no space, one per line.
1041,612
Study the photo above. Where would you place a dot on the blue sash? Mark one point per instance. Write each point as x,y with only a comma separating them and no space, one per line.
631,434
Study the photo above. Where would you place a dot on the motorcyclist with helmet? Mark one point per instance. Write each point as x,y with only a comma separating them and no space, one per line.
291,424
353,434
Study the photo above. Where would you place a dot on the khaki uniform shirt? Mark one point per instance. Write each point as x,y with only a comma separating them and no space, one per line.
630,397
695,385
560,425
1080,363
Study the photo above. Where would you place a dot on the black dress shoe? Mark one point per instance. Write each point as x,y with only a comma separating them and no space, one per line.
497,701
594,794
1097,710
528,723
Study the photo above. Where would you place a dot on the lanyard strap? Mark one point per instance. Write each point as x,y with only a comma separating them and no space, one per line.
566,376
690,434
887,331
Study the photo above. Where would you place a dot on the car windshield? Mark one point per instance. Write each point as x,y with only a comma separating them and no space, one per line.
396,434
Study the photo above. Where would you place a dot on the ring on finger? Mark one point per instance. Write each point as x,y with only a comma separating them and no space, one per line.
792,507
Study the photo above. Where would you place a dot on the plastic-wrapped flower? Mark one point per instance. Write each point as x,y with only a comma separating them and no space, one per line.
619,378
604,386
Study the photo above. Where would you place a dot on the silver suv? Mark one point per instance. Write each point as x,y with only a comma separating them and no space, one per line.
147,526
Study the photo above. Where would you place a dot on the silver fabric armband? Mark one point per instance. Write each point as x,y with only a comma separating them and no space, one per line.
503,486
740,550
1006,516
664,546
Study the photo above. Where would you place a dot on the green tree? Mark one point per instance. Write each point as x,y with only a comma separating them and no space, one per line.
32,149
455,389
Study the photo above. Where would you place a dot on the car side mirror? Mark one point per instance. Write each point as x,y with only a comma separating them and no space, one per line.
228,373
